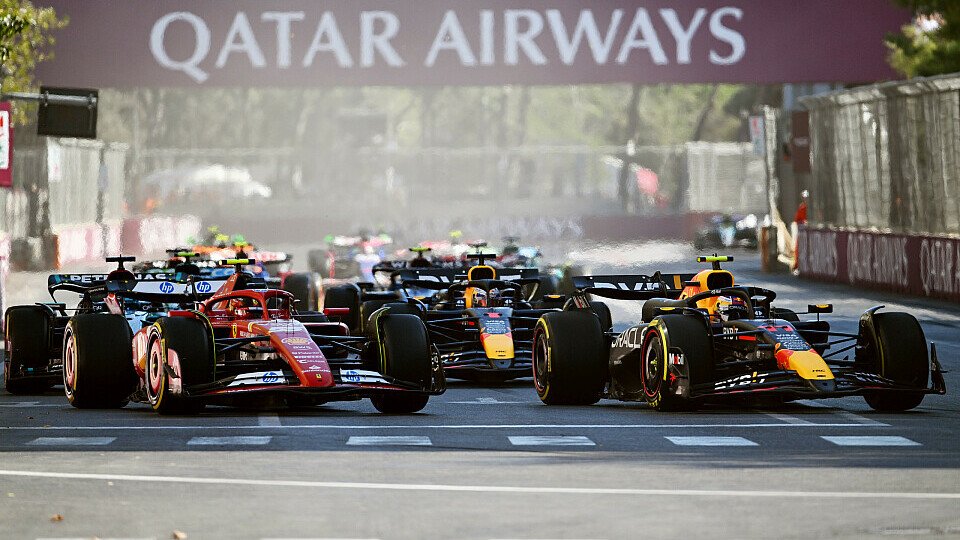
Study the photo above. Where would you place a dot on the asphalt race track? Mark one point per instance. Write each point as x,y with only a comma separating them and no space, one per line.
493,462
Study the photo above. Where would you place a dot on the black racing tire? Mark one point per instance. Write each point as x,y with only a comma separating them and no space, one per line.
569,356
367,308
305,288
98,371
310,317
898,353
27,345
691,336
602,312
191,340
788,315
405,356
549,284
345,296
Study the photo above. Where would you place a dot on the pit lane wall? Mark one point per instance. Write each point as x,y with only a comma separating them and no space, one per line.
927,266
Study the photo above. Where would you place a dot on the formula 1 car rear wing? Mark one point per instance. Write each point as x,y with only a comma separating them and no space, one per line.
633,287
165,291
81,283
441,278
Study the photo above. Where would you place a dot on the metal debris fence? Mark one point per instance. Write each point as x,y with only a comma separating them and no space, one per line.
887,157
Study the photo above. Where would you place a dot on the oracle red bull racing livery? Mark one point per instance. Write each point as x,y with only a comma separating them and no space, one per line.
703,338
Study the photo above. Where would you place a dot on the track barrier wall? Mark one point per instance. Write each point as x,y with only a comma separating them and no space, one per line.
926,266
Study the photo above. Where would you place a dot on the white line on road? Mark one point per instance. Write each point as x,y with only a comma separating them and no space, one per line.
269,420
551,441
870,441
449,426
412,440
711,441
71,441
28,405
487,401
229,441
557,490
859,419
789,419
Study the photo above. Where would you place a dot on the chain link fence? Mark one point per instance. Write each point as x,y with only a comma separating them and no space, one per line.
887,157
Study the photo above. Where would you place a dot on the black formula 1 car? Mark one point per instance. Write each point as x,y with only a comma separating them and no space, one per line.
180,344
704,338
480,319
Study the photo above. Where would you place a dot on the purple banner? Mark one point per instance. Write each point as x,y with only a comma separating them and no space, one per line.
130,43
919,265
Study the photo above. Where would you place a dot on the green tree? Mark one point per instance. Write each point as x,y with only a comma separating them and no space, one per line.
25,41
931,44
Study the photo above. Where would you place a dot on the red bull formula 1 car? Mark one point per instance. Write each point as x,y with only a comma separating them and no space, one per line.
704,338
178,345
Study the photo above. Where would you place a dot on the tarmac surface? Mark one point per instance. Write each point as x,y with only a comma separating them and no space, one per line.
485,462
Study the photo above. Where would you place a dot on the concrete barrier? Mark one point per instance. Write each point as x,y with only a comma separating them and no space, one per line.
926,266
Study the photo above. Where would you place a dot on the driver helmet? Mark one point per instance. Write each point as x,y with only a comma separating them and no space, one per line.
731,308
493,297
479,298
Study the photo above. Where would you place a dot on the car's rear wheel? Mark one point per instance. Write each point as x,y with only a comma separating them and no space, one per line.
179,355
305,288
405,356
897,351
345,296
663,374
27,346
568,358
98,367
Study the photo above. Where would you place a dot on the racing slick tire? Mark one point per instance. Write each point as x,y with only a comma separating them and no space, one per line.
27,339
305,288
898,352
569,358
405,356
185,345
368,308
345,296
603,313
98,370
691,336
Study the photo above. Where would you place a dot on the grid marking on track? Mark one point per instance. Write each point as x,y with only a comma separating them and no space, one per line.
71,441
550,440
868,440
711,441
394,440
256,440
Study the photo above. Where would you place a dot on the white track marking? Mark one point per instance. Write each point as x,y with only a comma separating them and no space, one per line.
229,441
812,403
28,405
860,419
720,493
449,426
870,441
711,441
269,420
551,441
786,418
487,401
401,440
71,441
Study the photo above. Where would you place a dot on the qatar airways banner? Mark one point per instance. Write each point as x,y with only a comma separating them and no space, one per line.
919,265
111,43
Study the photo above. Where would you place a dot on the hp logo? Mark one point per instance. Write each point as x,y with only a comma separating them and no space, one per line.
204,287
166,287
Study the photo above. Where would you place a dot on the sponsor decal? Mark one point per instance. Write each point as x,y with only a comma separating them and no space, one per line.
270,377
742,380
295,341
203,287
629,339
166,287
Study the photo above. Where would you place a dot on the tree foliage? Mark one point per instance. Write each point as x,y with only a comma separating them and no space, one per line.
25,41
931,45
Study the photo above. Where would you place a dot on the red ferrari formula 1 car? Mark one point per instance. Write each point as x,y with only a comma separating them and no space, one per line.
245,344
